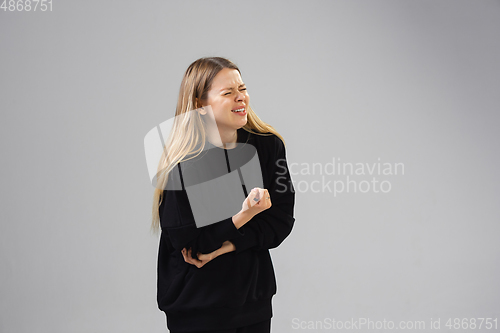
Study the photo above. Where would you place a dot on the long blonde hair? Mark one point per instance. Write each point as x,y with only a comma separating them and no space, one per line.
188,134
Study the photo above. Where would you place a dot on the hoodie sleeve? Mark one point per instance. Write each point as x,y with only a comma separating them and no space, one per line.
176,218
268,229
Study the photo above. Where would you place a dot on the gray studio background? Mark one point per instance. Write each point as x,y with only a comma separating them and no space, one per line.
412,82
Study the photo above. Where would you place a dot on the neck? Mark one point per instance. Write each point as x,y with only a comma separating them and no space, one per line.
228,139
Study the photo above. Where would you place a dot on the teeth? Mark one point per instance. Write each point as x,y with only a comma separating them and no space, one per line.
239,110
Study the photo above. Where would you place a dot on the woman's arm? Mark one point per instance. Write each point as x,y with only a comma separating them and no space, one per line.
269,228
226,247
264,230
239,220
177,220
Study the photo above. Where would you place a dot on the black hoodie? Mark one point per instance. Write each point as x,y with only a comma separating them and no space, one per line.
235,289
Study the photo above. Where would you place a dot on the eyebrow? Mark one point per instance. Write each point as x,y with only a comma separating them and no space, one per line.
231,88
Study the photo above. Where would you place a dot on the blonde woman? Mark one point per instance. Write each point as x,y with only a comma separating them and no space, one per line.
219,277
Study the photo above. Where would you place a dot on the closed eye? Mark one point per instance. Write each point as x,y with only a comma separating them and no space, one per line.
228,93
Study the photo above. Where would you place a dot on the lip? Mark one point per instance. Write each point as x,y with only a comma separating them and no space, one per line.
244,113
239,107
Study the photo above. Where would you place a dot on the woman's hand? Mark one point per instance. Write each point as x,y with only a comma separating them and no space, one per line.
226,247
257,201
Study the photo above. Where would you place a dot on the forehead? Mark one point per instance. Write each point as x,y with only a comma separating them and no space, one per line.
227,78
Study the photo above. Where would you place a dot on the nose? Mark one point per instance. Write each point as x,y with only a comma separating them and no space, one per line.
240,96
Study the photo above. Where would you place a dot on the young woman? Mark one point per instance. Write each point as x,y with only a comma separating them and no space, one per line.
219,277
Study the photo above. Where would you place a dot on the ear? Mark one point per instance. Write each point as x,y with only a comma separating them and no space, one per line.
199,106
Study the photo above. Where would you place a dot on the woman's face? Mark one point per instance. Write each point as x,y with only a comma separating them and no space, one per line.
228,93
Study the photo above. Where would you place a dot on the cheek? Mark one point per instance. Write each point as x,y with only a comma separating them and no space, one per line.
221,106
216,104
